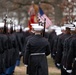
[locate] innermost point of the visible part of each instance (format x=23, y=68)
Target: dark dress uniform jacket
x=55, y=45
x=46, y=35
x=3, y=49
x=66, y=48
x=37, y=64
x=12, y=53
x=52, y=36
x=26, y=39
x=20, y=42
x=60, y=48
x=71, y=58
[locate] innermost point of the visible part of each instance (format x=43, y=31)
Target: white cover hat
x=46, y=30
x=17, y=27
x=34, y=24
x=38, y=28
x=72, y=28
x=68, y=25
x=63, y=28
x=1, y=25
x=26, y=29
x=74, y=23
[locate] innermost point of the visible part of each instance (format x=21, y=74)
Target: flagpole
x=44, y=27
x=39, y=21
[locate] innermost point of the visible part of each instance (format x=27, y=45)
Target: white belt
x=37, y=54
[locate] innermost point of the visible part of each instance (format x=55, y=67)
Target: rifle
x=44, y=27
x=5, y=22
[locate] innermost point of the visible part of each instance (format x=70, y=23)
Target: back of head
x=5, y=30
x=11, y=30
x=73, y=30
x=1, y=27
x=67, y=31
x=67, y=28
x=20, y=29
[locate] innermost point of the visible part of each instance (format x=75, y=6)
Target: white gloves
x=64, y=68
x=19, y=53
x=26, y=65
x=58, y=64
x=69, y=71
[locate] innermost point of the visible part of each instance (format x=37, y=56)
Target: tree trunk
x=58, y=11
x=19, y=18
x=58, y=14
